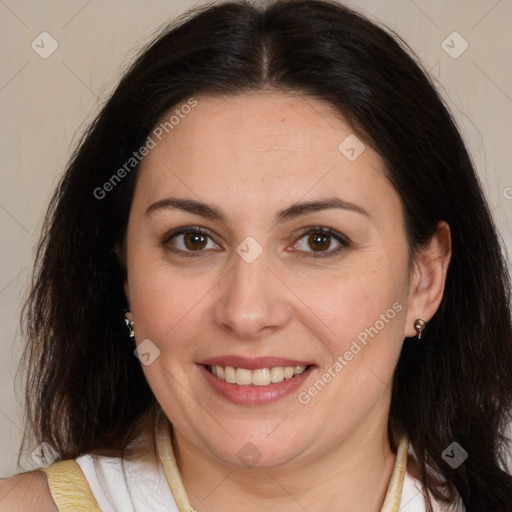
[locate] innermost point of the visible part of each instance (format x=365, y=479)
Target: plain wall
x=46, y=103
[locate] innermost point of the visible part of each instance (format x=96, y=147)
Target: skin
x=256, y=155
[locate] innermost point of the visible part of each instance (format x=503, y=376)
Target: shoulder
x=26, y=491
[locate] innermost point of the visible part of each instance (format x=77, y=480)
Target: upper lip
x=253, y=364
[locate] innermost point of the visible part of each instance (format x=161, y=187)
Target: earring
x=129, y=323
x=419, y=325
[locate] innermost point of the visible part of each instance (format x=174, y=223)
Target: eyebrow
x=209, y=211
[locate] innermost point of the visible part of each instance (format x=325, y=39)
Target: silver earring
x=419, y=325
x=128, y=320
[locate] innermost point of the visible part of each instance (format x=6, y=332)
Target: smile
x=258, y=377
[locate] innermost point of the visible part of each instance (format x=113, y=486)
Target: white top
x=119, y=485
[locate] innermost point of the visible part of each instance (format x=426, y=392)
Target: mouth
x=258, y=377
x=251, y=382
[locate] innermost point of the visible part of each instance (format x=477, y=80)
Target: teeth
x=243, y=377
x=260, y=377
x=229, y=374
x=277, y=374
x=288, y=372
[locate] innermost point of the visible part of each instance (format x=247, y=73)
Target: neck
x=352, y=476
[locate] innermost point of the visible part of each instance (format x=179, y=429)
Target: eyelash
x=344, y=243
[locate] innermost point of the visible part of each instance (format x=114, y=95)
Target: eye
x=188, y=240
x=321, y=239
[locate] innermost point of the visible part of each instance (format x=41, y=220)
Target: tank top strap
x=69, y=487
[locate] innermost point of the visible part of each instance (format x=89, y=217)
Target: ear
x=430, y=266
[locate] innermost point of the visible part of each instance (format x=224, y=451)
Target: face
x=227, y=275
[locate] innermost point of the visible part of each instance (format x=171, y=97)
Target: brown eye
x=194, y=241
x=187, y=241
x=321, y=242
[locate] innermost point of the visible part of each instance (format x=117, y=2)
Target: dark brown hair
x=86, y=391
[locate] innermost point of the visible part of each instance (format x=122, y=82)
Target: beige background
x=47, y=102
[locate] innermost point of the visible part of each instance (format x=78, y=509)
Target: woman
x=270, y=280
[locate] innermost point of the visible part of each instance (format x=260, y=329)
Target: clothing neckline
x=167, y=458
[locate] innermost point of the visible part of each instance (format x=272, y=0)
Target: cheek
x=167, y=311
x=168, y=304
x=362, y=311
x=161, y=304
x=350, y=301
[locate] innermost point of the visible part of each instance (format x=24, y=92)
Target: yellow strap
x=168, y=461
x=394, y=492
x=69, y=488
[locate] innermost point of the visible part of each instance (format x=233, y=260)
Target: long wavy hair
x=86, y=392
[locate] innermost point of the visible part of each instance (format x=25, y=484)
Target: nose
x=253, y=302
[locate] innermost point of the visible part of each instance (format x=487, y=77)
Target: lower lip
x=254, y=395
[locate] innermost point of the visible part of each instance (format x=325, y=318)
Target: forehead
x=263, y=148
x=271, y=124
